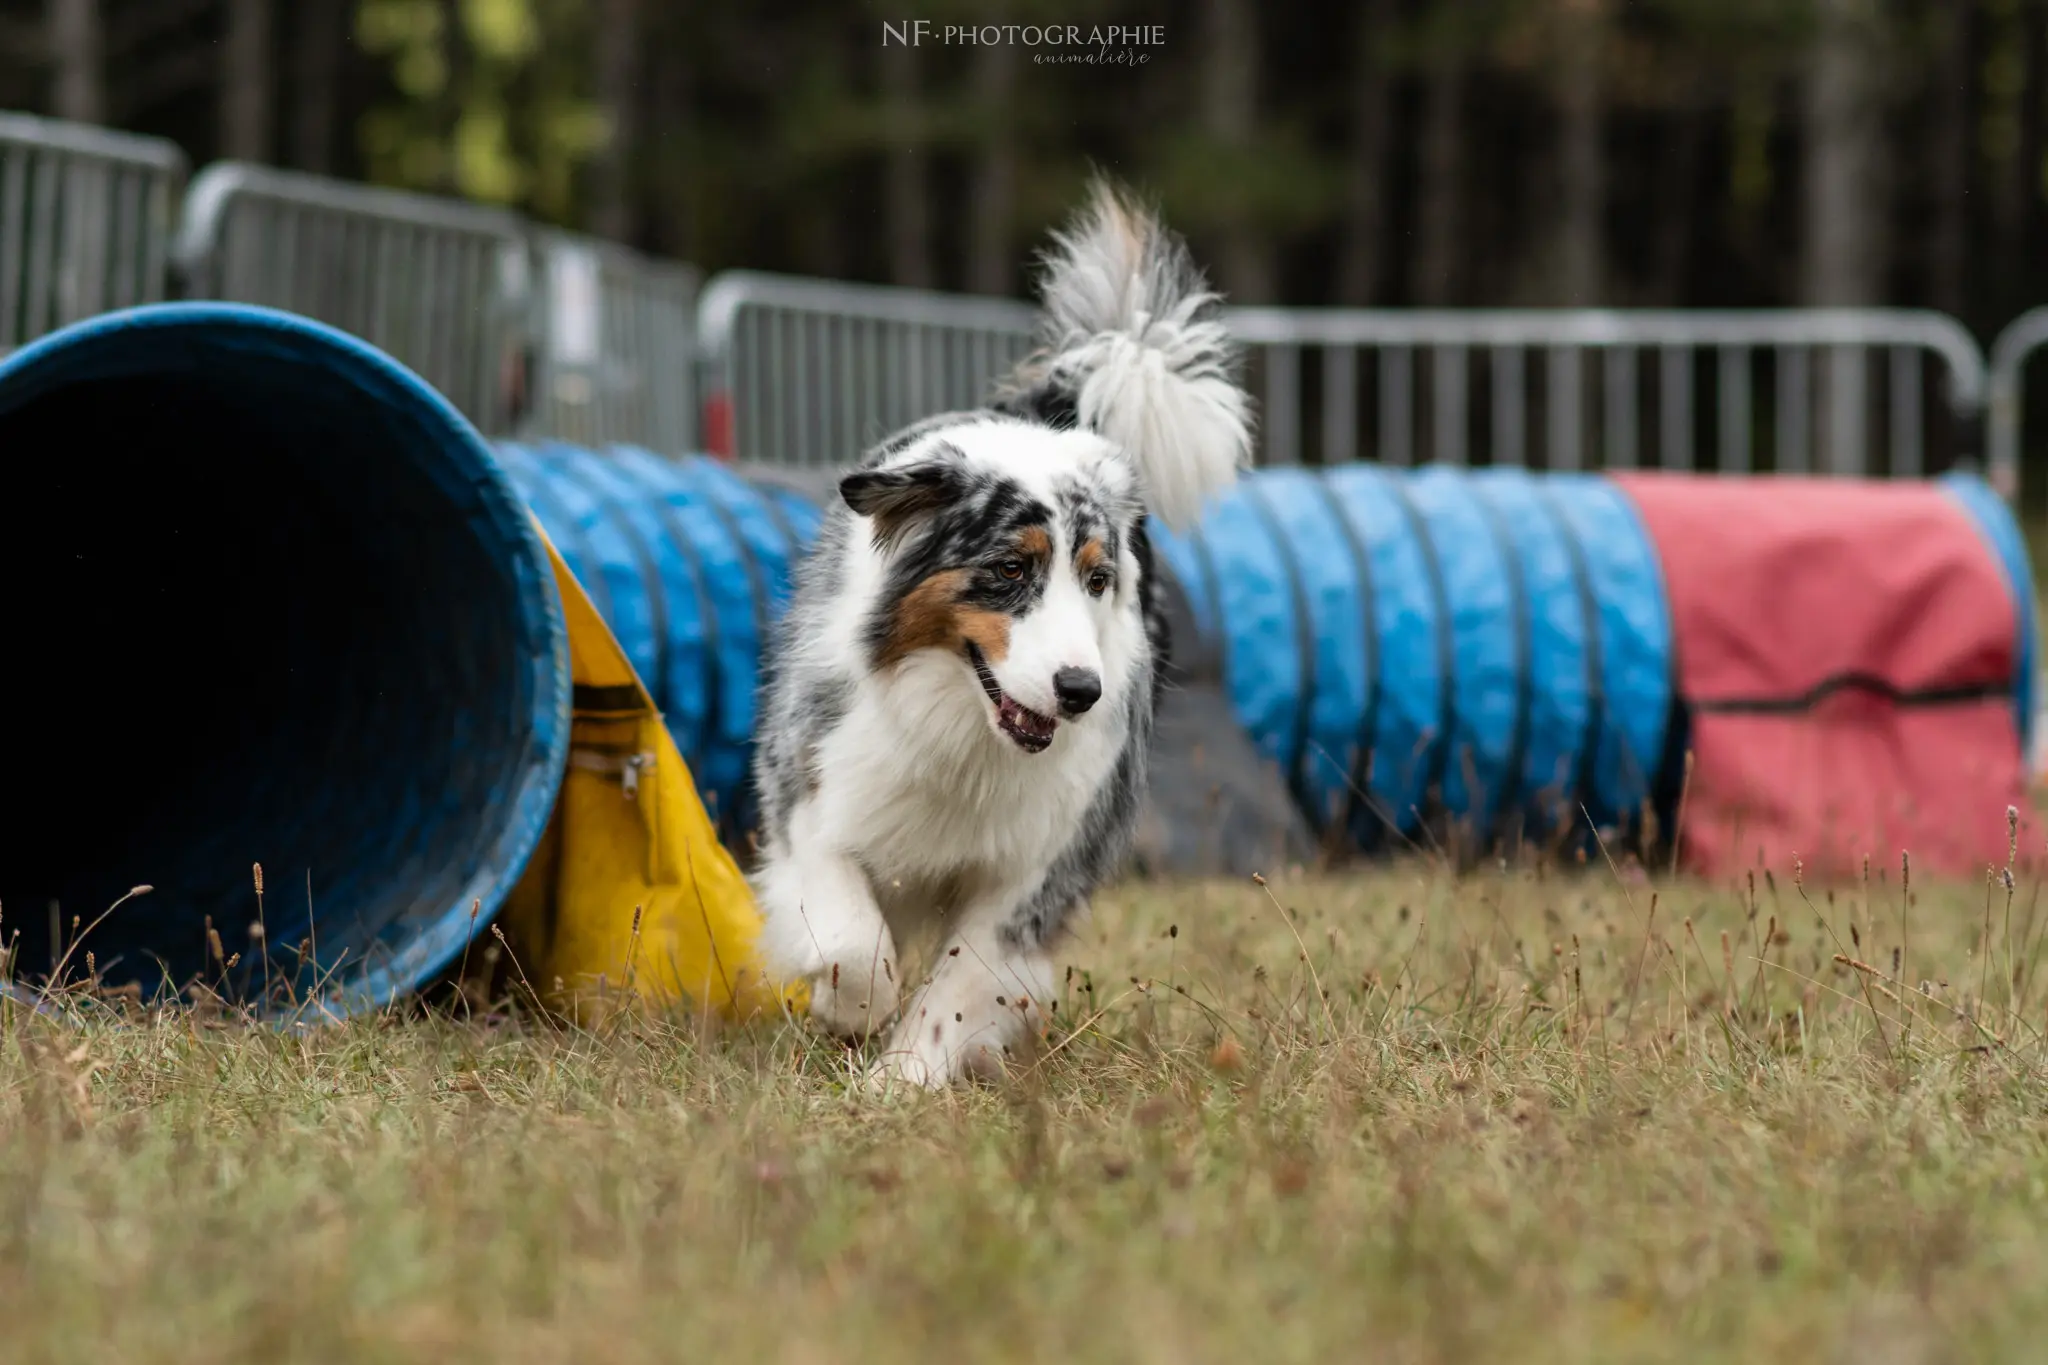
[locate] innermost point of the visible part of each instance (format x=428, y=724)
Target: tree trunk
x=908, y=181
x=1230, y=76
x=1677, y=203
x=2026, y=189
x=1951, y=146
x=319, y=36
x=992, y=205
x=1372, y=111
x=619, y=41
x=670, y=146
x=1440, y=214
x=1842, y=256
x=1582, y=162
x=76, y=50
x=245, y=82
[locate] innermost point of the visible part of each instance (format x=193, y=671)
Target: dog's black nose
x=1077, y=688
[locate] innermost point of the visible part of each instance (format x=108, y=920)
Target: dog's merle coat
x=960, y=699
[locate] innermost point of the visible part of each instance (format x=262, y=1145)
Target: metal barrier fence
x=2010, y=353
x=806, y=372
x=542, y=333
x=85, y=222
x=1790, y=390
x=617, y=357
x=442, y=285
x=810, y=372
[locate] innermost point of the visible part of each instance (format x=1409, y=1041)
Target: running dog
x=960, y=698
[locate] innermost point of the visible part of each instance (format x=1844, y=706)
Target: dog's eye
x=1098, y=582
x=1011, y=569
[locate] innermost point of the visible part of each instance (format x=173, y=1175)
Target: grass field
x=1520, y=1116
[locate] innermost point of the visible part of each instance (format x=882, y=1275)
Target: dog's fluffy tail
x=1132, y=346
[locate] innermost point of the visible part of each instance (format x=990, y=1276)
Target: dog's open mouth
x=1031, y=731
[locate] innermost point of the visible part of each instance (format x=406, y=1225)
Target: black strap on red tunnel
x=1951, y=694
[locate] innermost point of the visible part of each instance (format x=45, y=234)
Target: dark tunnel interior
x=253, y=617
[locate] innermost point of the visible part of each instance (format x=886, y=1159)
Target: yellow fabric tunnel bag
x=631, y=896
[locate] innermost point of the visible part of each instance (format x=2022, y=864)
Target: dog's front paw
x=936, y=1058
x=854, y=1001
x=914, y=1070
x=898, y=1075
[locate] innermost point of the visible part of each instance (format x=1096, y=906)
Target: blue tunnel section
x=1492, y=646
x=1995, y=522
x=691, y=565
x=270, y=600
x=1489, y=646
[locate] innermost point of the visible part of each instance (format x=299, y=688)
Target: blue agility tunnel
x=1486, y=656
x=1488, y=646
x=270, y=599
x=1497, y=642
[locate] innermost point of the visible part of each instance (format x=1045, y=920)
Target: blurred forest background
x=1484, y=152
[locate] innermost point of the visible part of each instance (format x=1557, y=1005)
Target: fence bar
x=1340, y=405
x=1618, y=388
x=1907, y=422
x=1449, y=378
x=1848, y=395
x=1674, y=408
x=1510, y=408
x=1794, y=394
x=1566, y=398
x=1737, y=454
x=1283, y=405
x=1397, y=406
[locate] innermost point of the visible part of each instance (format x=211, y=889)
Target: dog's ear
x=897, y=499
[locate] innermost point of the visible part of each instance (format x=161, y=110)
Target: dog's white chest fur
x=931, y=796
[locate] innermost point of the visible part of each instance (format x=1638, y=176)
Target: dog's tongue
x=1025, y=720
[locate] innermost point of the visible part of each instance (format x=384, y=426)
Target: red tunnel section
x=1846, y=654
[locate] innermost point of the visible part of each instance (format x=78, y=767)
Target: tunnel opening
x=270, y=603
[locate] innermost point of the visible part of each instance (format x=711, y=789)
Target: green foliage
x=762, y=134
x=493, y=106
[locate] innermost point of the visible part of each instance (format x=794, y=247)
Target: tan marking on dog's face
x=1035, y=544
x=988, y=631
x=924, y=616
x=1090, y=557
x=930, y=616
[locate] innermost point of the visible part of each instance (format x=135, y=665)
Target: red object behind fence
x=718, y=425
x=1846, y=653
